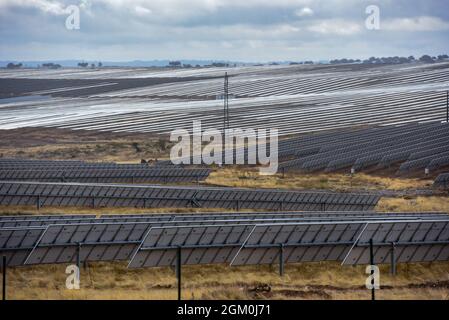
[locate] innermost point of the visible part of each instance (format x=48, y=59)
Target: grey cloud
x=220, y=29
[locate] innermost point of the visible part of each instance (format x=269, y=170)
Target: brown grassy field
x=302, y=281
x=62, y=144
x=250, y=178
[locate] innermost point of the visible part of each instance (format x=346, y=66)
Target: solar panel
x=110, y=195
x=102, y=175
x=46, y=217
x=259, y=243
x=17, y=243
x=415, y=242
x=442, y=181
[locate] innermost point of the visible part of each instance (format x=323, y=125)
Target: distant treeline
x=179, y=64
x=393, y=60
x=49, y=65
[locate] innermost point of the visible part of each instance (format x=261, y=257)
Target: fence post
x=4, y=278
x=371, y=254
x=178, y=271
x=393, y=259
x=78, y=261
x=281, y=259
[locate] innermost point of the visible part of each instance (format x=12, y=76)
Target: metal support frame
x=38, y=202
x=78, y=256
x=78, y=260
x=371, y=254
x=4, y=278
x=281, y=259
x=178, y=271
x=393, y=259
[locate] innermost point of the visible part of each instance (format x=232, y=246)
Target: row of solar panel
x=23, y=160
x=73, y=165
x=442, y=181
x=414, y=147
x=349, y=138
x=38, y=221
x=104, y=195
x=248, y=239
x=122, y=175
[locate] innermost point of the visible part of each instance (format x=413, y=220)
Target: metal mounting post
x=371, y=254
x=393, y=259
x=78, y=257
x=178, y=271
x=4, y=278
x=281, y=259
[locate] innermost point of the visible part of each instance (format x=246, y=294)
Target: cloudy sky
x=238, y=30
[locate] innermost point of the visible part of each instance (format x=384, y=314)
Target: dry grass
x=250, y=178
x=27, y=210
x=418, y=204
x=63, y=144
x=116, y=150
x=302, y=281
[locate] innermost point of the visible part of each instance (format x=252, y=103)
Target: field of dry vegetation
x=302, y=281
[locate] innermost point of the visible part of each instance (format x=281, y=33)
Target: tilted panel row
x=46, y=217
x=103, y=195
x=321, y=216
x=62, y=243
x=17, y=243
x=442, y=181
x=412, y=241
x=107, y=175
x=260, y=244
x=422, y=163
x=408, y=143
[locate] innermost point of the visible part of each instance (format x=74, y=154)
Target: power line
x=226, y=103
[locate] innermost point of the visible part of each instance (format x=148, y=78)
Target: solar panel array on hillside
x=293, y=99
x=411, y=148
